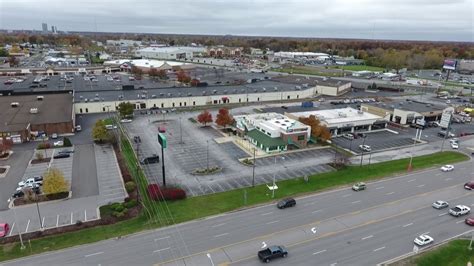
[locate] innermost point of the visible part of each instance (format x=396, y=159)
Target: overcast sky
x=447, y=20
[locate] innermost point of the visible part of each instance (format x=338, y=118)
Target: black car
x=151, y=159
x=61, y=155
x=137, y=139
x=66, y=151
x=285, y=203
x=18, y=194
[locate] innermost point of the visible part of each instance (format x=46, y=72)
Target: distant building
x=146, y=64
x=272, y=132
x=45, y=28
x=322, y=86
x=171, y=53
x=222, y=51
x=123, y=43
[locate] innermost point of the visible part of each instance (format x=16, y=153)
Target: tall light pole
x=207, y=154
x=362, y=155
x=417, y=136
x=22, y=246
x=180, y=132
x=253, y=168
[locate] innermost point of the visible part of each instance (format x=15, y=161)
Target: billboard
x=446, y=117
x=449, y=64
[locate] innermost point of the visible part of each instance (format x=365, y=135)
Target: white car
x=440, y=204
x=54, y=136
x=447, y=168
x=423, y=240
x=58, y=143
x=459, y=210
x=365, y=147
x=454, y=145
x=126, y=121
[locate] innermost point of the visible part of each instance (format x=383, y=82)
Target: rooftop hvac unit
x=33, y=110
x=15, y=104
x=40, y=98
x=341, y=114
x=360, y=112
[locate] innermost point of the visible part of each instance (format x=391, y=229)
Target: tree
x=13, y=61
x=318, y=131
x=205, y=117
x=137, y=71
x=54, y=182
x=67, y=142
x=224, y=118
x=126, y=109
x=99, y=132
x=5, y=146
x=181, y=76
x=3, y=52
x=195, y=82
x=153, y=73
x=162, y=74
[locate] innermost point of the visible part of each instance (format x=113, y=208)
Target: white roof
x=172, y=49
x=339, y=116
x=144, y=63
x=293, y=54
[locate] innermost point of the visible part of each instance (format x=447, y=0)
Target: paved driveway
x=84, y=172
x=18, y=162
x=379, y=140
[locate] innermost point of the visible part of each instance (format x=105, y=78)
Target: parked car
x=78, y=128
x=440, y=204
x=469, y=221
x=151, y=159
x=365, y=148
x=423, y=240
x=469, y=185
x=447, y=168
x=454, y=145
x=126, y=120
x=54, y=136
x=272, y=252
x=161, y=129
x=137, y=139
x=61, y=155
x=58, y=143
x=4, y=228
x=359, y=186
x=285, y=203
x=66, y=151
x=38, y=180
x=18, y=193
x=348, y=136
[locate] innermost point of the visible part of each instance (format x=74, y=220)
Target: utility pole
x=253, y=168
x=38, y=210
x=22, y=246
x=362, y=155
x=207, y=154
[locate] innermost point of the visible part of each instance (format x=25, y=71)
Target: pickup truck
x=459, y=210
x=272, y=252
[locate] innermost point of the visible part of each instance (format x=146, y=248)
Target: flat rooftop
x=414, y=106
x=54, y=108
x=311, y=81
x=342, y=115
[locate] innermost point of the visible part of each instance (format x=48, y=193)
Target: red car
x=4, y=228
x=161, y=129
x=469, y=185
x=469, y=221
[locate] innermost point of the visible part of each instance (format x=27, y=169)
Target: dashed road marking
x=443, y=214
x=224, y=234
x=347, y=195
x=379, y=187
x=272, y=222
x=94, y=254
x=354, y=202
x=319, y=252
x=159, y=250
x=316, y=211
x=217, y=225
x=406, y=225
x=367, y=237
x=161, y=238
x=411, y=180
x=420, y=186
x=447, y=179
x=377, y=249
x=267, y=213
x=390, y=193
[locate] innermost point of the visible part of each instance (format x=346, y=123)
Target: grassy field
x=307, y=71
x=360, y=68
x=455, y=253
x=159, y=214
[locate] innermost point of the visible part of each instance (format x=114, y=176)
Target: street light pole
x=253, y=168
x=180, y=131
x=362, y=155
x=207, y=154
x=38, y=210
x=22, y=246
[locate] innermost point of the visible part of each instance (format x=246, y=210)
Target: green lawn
x=307, y=71
x=360, y=68
x=159, y=214
x=455, y=253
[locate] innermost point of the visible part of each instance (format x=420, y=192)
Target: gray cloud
x=450, y=20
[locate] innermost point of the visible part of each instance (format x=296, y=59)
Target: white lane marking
x=345, y=196
x=42, y=222
x=319, y=252
x=390, y=193
x=425, y=233
x=161, y=238
x=11, y=229
x=458, y=222
x=85, y=215
x=407, y=225
x=421, y=185
x=224, y=234
x=272, y=222
x=217, y=225
x=163, y=249
x=379, y=187
x=411, y=180
x=316, y=211
x=94, y=254
x=71, y=218
x=57, y=220
x=267, y=213
x=447, y=179
x=443, y=214
x=354, y=202
x=367, y=237
x=377, y=249
x=27, y=225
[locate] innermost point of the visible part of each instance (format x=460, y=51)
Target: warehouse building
x=171, y=53
x=344, y=120
x=146, y=64
x=26, y=116
x=322, y=86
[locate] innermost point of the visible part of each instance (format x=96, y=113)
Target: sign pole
x=163, y=142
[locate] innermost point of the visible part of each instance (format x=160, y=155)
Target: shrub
x=130, y=186
x=39, y=156
x=67, y=142
x=127, y=199
x=118, y=208
x=153, y=191
x=43, y=146
x=78, y=222
x=130, y=204
x=173, y=194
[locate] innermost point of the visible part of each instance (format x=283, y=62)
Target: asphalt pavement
x=388, y=215
x=84, y=172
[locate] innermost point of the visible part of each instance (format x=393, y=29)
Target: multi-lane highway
x=335, y=227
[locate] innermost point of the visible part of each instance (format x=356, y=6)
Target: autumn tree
x=318, y=131
x=54, y=182
x=136, y=71
x=5, y=146
x=183, y=77
x=99, y=132
x=224, y=118
x=195, y=82
x=162, y=74
x=205, y=117
x=153, y=73
x=13, y=61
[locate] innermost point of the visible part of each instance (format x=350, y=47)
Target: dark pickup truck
x=272, y=252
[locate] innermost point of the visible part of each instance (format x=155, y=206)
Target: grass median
x=159, y=214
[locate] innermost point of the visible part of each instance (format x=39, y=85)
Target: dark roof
x=415, y=106
x=262, y=138
x=311, y=81
x=54, y=108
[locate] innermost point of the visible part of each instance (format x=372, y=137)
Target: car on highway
x=423, y=240
x=440, y=204
x=365, y=147
x=469, y=185
x=459, y=210
x=469, y=221
x=447, y=168
x=359, y=186
x=285, y=203
x=4, y=228
x=272, y=252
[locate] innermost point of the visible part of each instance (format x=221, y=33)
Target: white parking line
x=42, y=222
x=333, y=264
x=217, y=225
x=94, y=254
x=390, y=193
x=161, y=238
x=27, y=225
x=57, y=220
x=85, y=215
x=71, y=217
x=443, y=214
x=354, y=202
x=224, y=234
x=377, y=249
x=319, y=252
x=11, y=229
x=272, y=222
x=458, y=222
x=425, y=233
x=311, y=203
x=267, y=213
x=447, y=179
x=159, y=250
x=421, y=185
x=316, y=211
x=347, y=195
x=367, y=237
x=407, y=225
x=411, y=180
x=379, y=187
